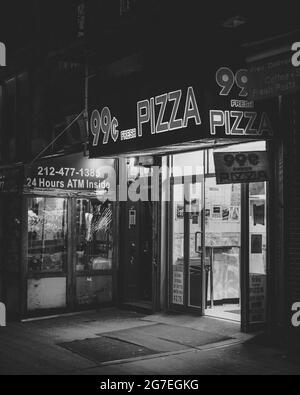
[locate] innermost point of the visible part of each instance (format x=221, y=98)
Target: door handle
x=196, y=242
x=208, y=264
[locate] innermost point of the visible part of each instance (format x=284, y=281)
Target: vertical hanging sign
x=233, y=113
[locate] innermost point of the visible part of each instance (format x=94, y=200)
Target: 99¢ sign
x=160, y=114
x=179, y=115
x=104, y=123
x=238, y=117
x=226, y=79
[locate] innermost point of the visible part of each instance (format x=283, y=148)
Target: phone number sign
x=73, y=172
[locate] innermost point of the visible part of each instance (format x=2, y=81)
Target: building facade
x=113, y=128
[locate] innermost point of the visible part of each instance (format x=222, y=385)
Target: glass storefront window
x=47, y=235
x=178, y=245
x=187, y=164
x=94, y=235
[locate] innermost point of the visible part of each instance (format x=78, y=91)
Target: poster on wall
x=179, y=211
x=234, y=213
x=257, y=298
x=225, y=214
x=216, y=212
x=256, y=244
x=177, y=287
x=231, y=213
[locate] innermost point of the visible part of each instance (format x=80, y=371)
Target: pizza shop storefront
x=196, y=214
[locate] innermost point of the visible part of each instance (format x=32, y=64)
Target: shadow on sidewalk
x=286, y=347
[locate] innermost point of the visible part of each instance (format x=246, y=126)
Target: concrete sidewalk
x=113, y=341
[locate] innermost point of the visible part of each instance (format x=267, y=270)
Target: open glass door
x=218, y=241
x=177, y=267
x=187, y=236
x=195, y=230
x=93, y=253
x=223, y=245
x=47, y=254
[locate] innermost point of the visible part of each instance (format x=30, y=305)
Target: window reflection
x=47, y=234
x=178, y=245
x=94, y=235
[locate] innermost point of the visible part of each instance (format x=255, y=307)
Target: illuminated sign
x=72, y=172
x=148, y=117
x=241, y=167
x=150, y=112
x=147, y=111
x=242, y=119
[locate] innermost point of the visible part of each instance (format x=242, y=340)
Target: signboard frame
x=158, y=112
x=242, y=167
x=73, y=173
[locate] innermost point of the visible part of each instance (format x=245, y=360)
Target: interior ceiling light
x=234, y=21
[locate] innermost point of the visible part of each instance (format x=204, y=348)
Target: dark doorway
x=137, y=232
x=136, y=254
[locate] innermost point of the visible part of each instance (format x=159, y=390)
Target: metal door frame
x=180, y=180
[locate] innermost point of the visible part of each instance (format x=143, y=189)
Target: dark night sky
x=19, y=24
